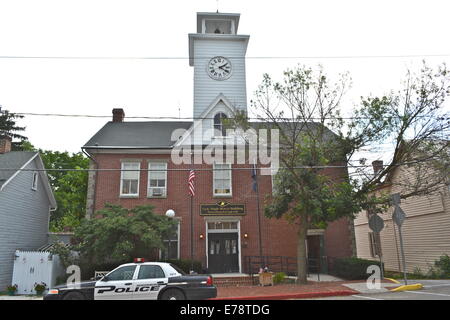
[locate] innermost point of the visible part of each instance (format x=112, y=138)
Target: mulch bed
x=281, y=289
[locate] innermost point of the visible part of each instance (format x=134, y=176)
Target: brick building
x=226, y=227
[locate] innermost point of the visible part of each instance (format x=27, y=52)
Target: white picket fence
x=32, y=267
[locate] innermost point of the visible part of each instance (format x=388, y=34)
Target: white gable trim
x=43, y=176
x=46, y=183
x=17, y=172
x=196, y=123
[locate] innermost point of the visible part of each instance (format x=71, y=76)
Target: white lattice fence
x=32, y=267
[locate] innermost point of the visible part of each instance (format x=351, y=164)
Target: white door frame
x=238, y=231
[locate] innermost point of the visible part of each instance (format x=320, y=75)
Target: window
x=34, y=182
x=157, y=179
x=171, y=241
x=124, y=273
x=150, y=272
x=222, y=179
x=219, y=225
x=129, y=182
x=375, y=244
x=219, y=128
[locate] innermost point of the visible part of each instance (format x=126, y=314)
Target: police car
x=139, y=281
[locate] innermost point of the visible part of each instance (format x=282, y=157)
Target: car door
x=116, y=285
x=150, y=280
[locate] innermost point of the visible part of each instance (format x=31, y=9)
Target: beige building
x=426, y=229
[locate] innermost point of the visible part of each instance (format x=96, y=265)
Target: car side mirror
x=104, y=279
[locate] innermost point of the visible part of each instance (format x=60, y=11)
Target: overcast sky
x=158, y=87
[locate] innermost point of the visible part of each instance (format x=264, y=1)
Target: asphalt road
x=432, y=290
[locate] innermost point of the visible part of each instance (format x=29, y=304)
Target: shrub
x=279, y=277
x=185, y=265
x=443, y=266
x=352, y=268
x=417, y=273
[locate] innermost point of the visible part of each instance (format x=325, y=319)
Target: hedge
x=352, y=268
x=185, y=265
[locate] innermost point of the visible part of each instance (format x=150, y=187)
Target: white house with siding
x=26, y=200
x=426, y=229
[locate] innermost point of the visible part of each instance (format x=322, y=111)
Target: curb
x=302, y=295
x=408, y=287
x=393, y=280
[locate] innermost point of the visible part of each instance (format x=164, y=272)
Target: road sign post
x=399, y=217
x=376, y=224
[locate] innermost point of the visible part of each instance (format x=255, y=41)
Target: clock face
x=219, y=68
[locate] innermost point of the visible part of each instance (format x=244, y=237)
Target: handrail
x=288, y=265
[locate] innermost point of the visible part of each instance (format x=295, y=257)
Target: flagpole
x=258, y=211
x=192, y=220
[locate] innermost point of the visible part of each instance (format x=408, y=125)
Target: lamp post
x=169, y=214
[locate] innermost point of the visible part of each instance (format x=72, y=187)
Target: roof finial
x=217, y=1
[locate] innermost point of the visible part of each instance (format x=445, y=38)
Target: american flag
x=191, y=183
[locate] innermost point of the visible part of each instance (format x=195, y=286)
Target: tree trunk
x=301, y=253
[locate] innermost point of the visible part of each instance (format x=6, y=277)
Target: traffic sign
x=396, y=199
x=376, y=223
x=398, y=216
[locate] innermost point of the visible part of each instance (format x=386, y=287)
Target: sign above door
x=222, y=208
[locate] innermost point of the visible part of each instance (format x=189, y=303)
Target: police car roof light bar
x=139, y=260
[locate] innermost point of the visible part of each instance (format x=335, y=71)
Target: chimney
x=118, y=115
x=5, y=144
x=377, y=166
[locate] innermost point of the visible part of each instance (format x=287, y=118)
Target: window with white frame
x=129, y=180
x=375, y=244
x=157, y=179
x=34, y=182
x=171, y=244
x=219, y=128
x=222, y=179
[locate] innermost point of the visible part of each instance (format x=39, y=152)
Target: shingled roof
x=131, y=135
x=13, y=159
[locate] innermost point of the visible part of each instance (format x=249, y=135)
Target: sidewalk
x=284, y=291
x=314, y=289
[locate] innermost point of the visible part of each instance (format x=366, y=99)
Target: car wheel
x=173, y=294
x=74, y=296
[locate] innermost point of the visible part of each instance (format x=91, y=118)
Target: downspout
x=94, y=195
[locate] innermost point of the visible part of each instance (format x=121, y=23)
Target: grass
x=412, y=276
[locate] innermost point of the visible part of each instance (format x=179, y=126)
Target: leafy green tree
x=9, y=127
x=305, y=108
x=120, y=234
x=69, y=180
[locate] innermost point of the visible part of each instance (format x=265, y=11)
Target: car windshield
x=177, y=269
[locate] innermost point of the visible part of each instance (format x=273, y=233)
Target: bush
x=443, y=266
x=352, y=268
x=185, y=265
x=279, y=277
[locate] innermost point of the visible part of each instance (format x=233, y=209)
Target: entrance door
x=223, y=253
x=314, y=244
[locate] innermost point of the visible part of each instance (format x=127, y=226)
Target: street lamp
x=169, y=214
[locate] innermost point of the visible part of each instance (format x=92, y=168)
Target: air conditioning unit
x=158, y=192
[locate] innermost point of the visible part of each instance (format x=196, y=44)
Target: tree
x=9, y=127
x=122, y=234
x=69, y=181
x=306, y=110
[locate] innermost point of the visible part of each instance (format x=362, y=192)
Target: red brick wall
x=278, y=237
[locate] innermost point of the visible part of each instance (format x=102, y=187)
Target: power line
x=230, y=57
x=221, y=169
x=195, y=118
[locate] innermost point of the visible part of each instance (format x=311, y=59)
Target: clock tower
x=217, y=54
